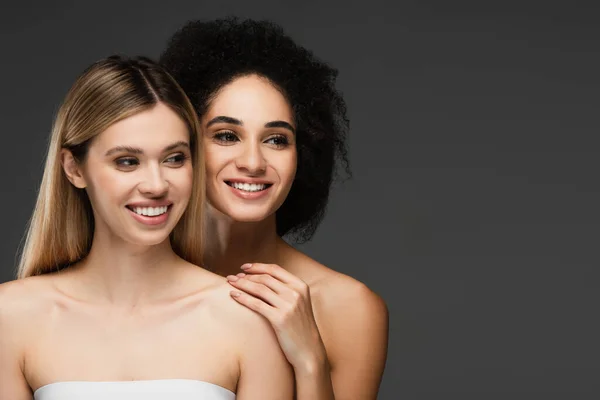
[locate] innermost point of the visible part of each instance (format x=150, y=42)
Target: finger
x=254, y=304
x=295, y=283
x=257, y=290
x=286, y=291
x=273, y=270
x=274, y=284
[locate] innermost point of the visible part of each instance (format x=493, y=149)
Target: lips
x=249, y=191
x=150, y=211
x=150, y=215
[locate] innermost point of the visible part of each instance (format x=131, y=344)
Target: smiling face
x=250, y=149
x=138, y=176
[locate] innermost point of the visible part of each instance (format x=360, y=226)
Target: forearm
x=313, y=381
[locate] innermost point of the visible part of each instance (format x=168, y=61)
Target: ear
x=72, y=169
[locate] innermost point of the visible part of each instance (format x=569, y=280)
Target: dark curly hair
x=204, y=56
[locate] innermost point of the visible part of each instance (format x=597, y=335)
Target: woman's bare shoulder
x=197, y=278
x=233, y=313
x=24, y=294
x=339, y=298
x=216, y=295
x=23, y=301
x=331, y=286
x=343, y=295
x=344, y=304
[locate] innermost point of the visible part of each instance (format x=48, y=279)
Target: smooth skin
x=132, y=309
x=332, y=329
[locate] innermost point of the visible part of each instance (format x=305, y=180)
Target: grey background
x=474, y=205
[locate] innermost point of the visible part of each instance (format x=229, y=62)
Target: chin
x=250, y=214
x=148, y=238
x=248, y=218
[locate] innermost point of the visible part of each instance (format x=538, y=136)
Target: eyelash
x=282, y=141
x=180, y=158
x=222, y=137
x=130, y=162
x=126, y=162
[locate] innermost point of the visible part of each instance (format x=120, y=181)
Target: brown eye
x=279, y=141
x=225, y=137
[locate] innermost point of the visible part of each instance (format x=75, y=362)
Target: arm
x=265, y=373
x=314, y=381
x=12, y=381
x=357, y=325
x=358, y=351
x=284, y=300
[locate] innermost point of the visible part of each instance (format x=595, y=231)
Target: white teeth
x=150, y=211
x=249, y=187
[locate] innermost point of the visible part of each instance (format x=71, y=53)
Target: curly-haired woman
x=274, y=129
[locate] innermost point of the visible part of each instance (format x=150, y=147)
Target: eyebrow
x=137, y=150
x=280, y=124
x=221, y=119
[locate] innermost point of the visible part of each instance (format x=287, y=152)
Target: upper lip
x=247, y=180
x=162, y=203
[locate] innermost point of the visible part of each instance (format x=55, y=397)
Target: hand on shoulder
x=264, y=370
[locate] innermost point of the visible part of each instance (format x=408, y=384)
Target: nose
x=251, y=159
x=154, y=184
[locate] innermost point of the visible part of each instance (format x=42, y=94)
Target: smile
x=249, y=187
x=151, y=216
x=149, y=211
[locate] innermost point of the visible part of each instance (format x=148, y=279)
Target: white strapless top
x=159, y=389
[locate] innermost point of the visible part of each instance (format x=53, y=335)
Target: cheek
x=287, y=165
x=107, y=185
x=215, y=159
x=182, y=178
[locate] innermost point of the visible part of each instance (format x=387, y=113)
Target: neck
x=128, y=275
x=231, y=244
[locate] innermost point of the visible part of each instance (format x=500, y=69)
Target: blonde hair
x=62, y=225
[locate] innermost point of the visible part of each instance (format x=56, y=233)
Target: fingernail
x=235, y=294
x=232, y=278
x=241, y=275
x=246, y=266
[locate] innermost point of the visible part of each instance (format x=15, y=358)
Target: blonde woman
x=110, y=303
